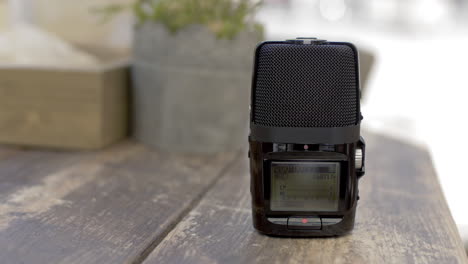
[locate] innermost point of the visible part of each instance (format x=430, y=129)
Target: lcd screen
x=305, y=186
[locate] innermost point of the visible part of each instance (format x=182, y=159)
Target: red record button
x=305, y=223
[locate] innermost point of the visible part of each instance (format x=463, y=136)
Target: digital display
x=305, y=186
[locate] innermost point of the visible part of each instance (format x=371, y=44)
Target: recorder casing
x=306, y=153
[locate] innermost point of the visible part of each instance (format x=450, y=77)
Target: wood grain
x=112, y=206
x=402, y=218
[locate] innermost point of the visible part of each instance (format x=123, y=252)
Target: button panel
x=278, y=220
x=314, y=223
x=304, y=222
x=330, y=221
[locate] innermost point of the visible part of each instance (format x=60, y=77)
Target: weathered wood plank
x=109, y=207
x=22, y=175
x=402, y=218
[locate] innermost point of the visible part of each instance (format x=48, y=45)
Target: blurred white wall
x=4, y=15
x=75, y=21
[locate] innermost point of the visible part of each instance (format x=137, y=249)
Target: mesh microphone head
x=298, y=85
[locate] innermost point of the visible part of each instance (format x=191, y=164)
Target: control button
x=326, y=147
x=304, y=223
x=278, y=221
x=306, y=41
x=358, y=160
x=331, y=221
x=311, y=40
x=279, y=147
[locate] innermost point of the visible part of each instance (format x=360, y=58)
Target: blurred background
x=414, y=61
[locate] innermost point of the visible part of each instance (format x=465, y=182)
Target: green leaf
x=226, y=18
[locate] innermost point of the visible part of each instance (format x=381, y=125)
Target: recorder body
x=306, y=153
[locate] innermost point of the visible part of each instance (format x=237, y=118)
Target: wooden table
x=131, y=204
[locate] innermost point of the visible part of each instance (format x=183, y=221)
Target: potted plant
x=192, y=73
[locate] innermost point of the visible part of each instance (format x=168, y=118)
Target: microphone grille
x=306, y=86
